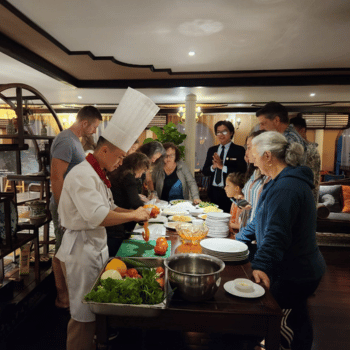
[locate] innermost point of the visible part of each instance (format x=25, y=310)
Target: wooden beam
x=22, y=54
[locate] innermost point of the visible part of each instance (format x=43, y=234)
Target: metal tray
x=141, y=310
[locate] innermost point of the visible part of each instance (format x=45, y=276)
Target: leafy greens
x=145, y=290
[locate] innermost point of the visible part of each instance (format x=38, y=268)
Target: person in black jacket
x=221, y=160
x=125, y=194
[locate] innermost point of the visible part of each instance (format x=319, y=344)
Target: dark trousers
x=218, y=196
x=296, y=327
x=114, y=244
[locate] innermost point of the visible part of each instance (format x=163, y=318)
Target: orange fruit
x=117, y=264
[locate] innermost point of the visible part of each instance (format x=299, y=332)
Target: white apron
x=84, y=254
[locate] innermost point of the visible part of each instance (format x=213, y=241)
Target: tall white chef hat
x=134, y=113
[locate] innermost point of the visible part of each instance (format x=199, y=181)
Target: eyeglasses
x=221, y=133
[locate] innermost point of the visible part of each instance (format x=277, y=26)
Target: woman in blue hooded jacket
x=287, y=260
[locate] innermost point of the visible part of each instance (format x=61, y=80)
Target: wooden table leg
x=272, y=340
x=101, y=332
x=2, y=273
x=46, y=226
x=36, y=255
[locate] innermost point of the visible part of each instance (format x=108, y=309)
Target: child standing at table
x=234, y=185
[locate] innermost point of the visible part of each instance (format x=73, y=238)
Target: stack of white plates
x=225, y=249
x=218, y=224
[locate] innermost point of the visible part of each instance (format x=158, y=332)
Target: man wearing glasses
x=221, y=160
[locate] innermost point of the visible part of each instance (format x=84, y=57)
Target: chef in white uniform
x=86, y=207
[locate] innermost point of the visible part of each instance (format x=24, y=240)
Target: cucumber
x=141, y=269
x=133, y=263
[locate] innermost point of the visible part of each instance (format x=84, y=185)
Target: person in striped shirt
x=254, y=186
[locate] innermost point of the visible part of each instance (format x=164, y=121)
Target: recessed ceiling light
x=191, y=53
x=312, y=94
x=79, y=97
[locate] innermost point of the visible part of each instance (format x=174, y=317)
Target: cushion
x=322, y=211
x=336, y=192
x=327, y=200
x=340, y=216
x=346, y=199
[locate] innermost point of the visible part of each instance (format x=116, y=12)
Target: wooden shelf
x=21, y=199
x=27, y=137
x=13, y=147
x=31, y=177
x=17, y=242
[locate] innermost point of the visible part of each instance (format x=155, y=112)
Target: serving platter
x=181, y=218
x=171, y=211
x=177, y=201
x=206, y=204
x=142, y=310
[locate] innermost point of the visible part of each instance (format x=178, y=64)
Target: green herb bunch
x=145, y=290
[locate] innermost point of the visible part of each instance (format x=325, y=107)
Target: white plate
x=196, y=212
x=171, y=225
x=227, y=257
x=155, y=231
x=217, y=235
x=172, y=218
x=176, y=201
x=258, y=290
x=170, y=211
x=217, y=211
x=203, y=216
x=224, y=245
x=164, y=205
x=159, y=219
x=217, y=225
x=218, y=216
x=212, y=205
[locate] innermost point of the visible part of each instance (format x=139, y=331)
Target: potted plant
x=169, y=133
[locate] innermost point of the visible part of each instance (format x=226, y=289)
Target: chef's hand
x=143, y=198
x=196, y=201
x=141, y=214
x=261, y=276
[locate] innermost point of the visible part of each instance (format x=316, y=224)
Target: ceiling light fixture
x=191, y=53
x=79, y=97
x=182, y=113
x=312, y=94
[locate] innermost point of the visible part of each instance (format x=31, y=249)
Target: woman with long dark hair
x=125, y=194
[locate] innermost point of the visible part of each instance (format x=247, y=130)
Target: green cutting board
x=134, y=247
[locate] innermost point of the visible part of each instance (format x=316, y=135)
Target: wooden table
x=225, y=313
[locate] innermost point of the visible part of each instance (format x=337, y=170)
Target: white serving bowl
x=196, y=212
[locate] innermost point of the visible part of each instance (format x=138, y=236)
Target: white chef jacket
x=84, y=203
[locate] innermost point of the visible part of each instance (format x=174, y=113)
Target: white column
x=190, y=129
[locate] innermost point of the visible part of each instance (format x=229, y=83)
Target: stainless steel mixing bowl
x=196, y=277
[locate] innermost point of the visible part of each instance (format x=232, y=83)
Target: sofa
x=330, y=214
